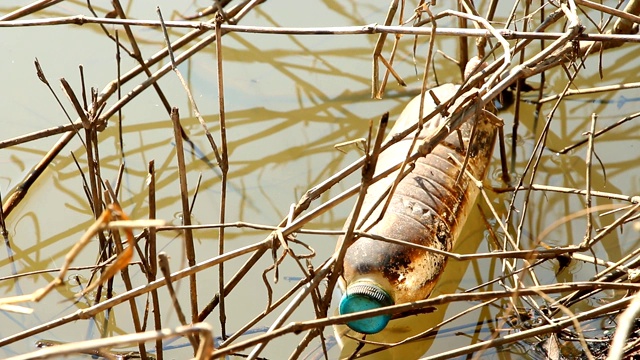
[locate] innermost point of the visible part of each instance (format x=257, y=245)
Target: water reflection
x=289, y=100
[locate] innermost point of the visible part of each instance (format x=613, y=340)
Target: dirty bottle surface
x=428, y=208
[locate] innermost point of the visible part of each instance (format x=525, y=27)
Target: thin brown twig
x=593, y=90
x=540, y=187
x=119, y=94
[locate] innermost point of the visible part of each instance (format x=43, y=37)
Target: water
x=288, y=100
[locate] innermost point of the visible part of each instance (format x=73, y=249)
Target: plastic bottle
x=427, y=208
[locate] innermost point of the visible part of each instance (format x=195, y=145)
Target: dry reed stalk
x=29, y=9
x=91, y=311
x=601, y=132
x=287, y=227
x=21, y=190
x=375, y=91
x=414, y=308
x=369, y=29
x=94, y=177
x=223, y=162
x=40, y=134
x=186, y=214
x=151, y=256
x=166, y=272
x=126, y=279
x=431, y=332
x=202, y=329
x=111, y=88
x=137, y=55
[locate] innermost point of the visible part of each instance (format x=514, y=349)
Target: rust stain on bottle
x=428, y=207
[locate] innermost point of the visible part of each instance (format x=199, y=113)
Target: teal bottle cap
x=361, y=297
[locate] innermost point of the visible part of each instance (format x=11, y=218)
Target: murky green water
x=288, y=100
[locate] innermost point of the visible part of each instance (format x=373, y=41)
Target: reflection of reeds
x=523, y=239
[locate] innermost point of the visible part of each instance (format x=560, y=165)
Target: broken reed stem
x=221, y=160
x=151, y=256
x=163, y=261
x=174, y=67
x=94, y=179
x=587, y=195
x=224, y=168
x=41, y=134
x=463, y=46
x=594, y=90
x=186, y=215
x=119, y=95
x=42, y=77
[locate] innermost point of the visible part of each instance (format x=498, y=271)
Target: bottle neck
x=362, y=295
